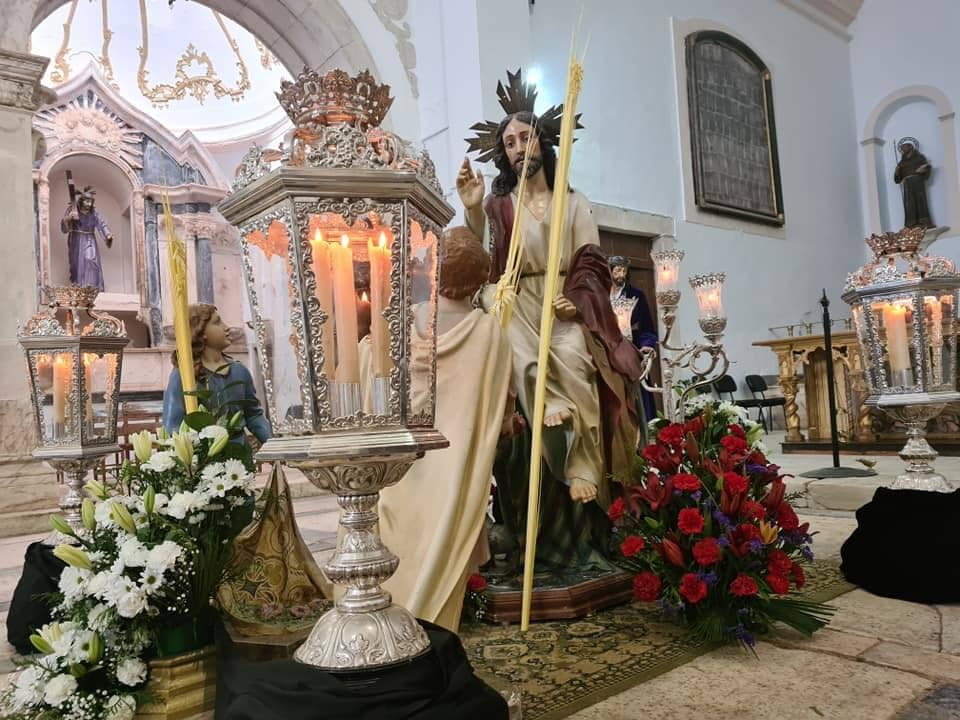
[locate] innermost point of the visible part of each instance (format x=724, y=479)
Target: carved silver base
x=917, y=453
x=75, y=470
x=365, y=629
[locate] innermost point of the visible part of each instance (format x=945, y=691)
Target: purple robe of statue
x=85, y=268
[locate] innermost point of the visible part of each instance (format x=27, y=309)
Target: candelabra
x=707, y=361
x=904, y=309
x=74, y=371
x=351, y=213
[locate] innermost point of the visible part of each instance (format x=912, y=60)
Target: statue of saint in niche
x=911, y=175
x=81, y=222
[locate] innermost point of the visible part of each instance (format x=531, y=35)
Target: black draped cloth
x=906, y=546
x=29, y=609
x=438, y=686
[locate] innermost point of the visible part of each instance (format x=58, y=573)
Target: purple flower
x=723, y=541
x=754, y=469
x=741, y=634
x=696, y=495
x=807, y=552
x=755, y=545
x=709, y=578
x=721, y=518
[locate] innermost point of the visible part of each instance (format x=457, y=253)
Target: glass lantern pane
x=55, y=369
x=422, y=279
x=276, y=313
x=352, y=268
x=863, y=339
x=939, y=356
x=894, y=320
x=100, y=381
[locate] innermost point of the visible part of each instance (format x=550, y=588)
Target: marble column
x=152, y=255
x=27, y=490
x=204, y=271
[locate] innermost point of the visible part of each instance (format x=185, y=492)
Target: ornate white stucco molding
x=392, y=14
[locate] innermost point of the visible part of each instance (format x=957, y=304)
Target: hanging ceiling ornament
x=517, y=96
x=197, y=86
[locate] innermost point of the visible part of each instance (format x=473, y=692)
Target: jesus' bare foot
x=556, y=419
x=582, y=491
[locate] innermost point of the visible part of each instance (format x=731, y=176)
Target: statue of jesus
x=590, y=430
x=81, y=223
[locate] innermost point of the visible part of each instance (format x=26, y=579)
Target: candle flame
x=345, y=240
x=61, y=360
x=89, y=359
x=383, y=239
x=364, y=296
x=317, y=236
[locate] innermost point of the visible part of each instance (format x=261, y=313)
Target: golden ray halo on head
x=516, y=96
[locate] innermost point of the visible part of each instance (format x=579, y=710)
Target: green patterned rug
x=562, y=667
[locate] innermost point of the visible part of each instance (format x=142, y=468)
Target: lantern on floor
x=340, y=247
x=74, y=357
x=904, y=311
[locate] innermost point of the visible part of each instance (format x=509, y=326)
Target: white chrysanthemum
x=133, y=553
x=160, y=462
x=74, y=582
x=132, y=671
x=732, y=412
x=163, y=556
x=28, y=686
x=132, y=603
x=120, y=707
x=213, y=432
x=58, y=689
x=179, y=505
x=211, y=472
x=101, y=584
x=79, y=647
x=235, y=472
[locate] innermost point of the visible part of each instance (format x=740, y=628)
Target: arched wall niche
x=929, y=110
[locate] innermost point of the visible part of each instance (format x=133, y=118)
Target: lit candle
x=345, y=302
x=898, y=348
x=324, y=292
x=712, y=304
x=667, y=278
x=61, y=378
x=379, y=297
x=88, y=360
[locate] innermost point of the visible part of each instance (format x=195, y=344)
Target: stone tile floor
x=880, y=659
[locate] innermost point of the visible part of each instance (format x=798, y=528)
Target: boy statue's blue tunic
x=241, y=388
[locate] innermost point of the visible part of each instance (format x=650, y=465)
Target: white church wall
x=892, y=52
x=630, y=156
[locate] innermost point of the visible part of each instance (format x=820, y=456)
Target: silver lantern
x=74, y=358
x=904, y=311
x=340, y=245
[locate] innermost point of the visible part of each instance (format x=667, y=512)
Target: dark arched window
x=733, y=137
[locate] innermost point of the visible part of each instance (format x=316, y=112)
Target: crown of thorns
x=516, y=96
x=912, y=141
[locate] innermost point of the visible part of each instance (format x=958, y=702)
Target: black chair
x=758, y=385
x=727, y=385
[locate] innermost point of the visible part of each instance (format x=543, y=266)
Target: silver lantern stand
x=344, y=185
x=73, y=354
x=904, y=306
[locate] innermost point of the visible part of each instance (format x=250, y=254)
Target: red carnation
x=632, y=545
x=686, y=481
x=706, y=552
x=671, y=435
x=476, y=583
x=737, y=430
x=753, y=510
x=672, y=552
x=617, y=508
x=744, y=586
x=787, y=519
x=799, y=579
x=778, y=583
x=734, y=445
x=693, y=588
x=779, y=563
x=646, y=587
x=690, y=521
x=734, y=483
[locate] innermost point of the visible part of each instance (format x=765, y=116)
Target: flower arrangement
x=708, y=531
x=140, y=574
x=475, y=600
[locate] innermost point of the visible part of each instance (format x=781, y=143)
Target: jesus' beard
x=534, y=164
